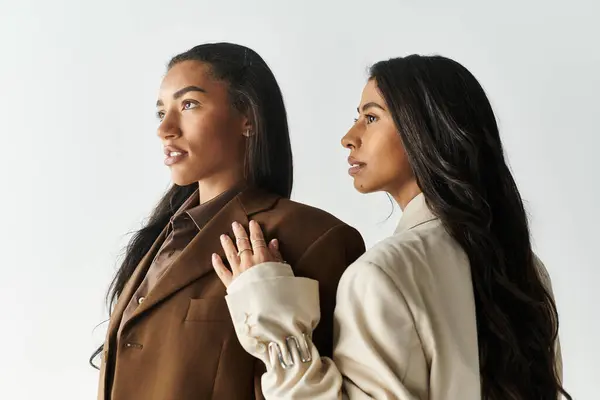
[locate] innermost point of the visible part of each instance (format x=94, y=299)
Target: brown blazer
x=180, y=344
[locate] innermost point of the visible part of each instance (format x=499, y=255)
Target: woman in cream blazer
x=454, y=305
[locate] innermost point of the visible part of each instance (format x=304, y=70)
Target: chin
x=363, y=187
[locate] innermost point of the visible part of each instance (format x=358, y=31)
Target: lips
x=174, y=155
x=355, y=166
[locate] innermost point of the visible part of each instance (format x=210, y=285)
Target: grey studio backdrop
x=82, y=166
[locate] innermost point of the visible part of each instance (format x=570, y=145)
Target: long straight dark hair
x=452, y=141
x=254, y=91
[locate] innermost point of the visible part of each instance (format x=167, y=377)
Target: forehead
x=371, y=93
x=189, y=73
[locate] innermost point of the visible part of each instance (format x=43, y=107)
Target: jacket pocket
x=207, y=309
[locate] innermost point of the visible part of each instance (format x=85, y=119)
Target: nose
x=168, y=128
x=351, y=139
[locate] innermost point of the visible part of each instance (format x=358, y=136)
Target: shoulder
x=312, y=221
x=362, y=274
x=398, y=256
x=305, y=233
x=296, y=211
x=414, y=246
x=426, y=252
x=282, y=213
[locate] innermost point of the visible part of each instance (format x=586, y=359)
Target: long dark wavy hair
x=254, y=91
x=452, y=141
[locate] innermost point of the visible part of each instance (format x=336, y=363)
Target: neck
x=404, y=195
x=210, y=188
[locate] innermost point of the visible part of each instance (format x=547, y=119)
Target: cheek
x=209, y=135
x=388, y=147
x=389, y=162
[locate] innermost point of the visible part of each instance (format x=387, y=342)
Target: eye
x=370, y=119
x=189, y=104
x=160, y=115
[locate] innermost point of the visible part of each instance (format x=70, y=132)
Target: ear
x=247, y=128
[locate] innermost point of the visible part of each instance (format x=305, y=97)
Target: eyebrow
x=370, y=105
x=181, y=92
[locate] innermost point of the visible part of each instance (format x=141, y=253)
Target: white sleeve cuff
x=267, y=311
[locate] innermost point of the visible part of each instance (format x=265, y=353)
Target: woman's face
x=203, y=135
x=377, y=157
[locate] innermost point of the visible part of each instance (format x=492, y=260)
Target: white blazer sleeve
x=274, y=315
x=375, y=335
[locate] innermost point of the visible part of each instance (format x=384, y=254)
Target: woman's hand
x=248, y=252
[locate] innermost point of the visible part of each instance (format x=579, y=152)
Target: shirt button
x=141, y=300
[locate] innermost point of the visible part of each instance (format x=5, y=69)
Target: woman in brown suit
x=223, y=126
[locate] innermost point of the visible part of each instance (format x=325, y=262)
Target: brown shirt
x=184, y=225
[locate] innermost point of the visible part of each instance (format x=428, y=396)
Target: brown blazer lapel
x=195, y=260
x=122, y=301
x=132, y=285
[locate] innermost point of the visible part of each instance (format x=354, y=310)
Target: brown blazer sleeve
x=325, y=261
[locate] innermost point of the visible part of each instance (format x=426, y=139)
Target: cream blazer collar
x=415, y=213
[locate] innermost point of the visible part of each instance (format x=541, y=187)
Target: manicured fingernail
x=215, y=257
x=276, y=243
x=223, y=237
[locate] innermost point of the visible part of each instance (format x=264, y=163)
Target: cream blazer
x=404, y=321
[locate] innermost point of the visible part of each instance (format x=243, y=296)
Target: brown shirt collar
x=200, y=214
